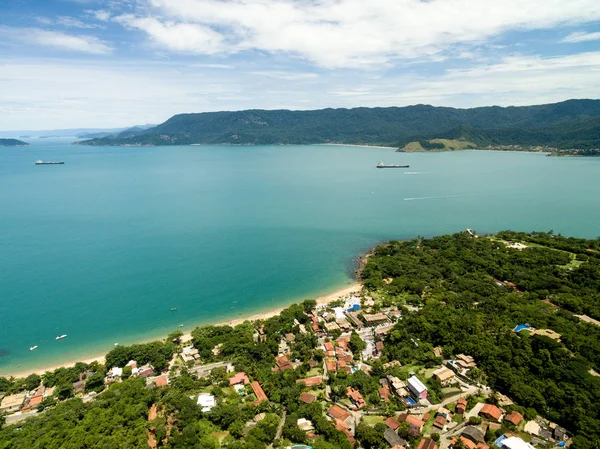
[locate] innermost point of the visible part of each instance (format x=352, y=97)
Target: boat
x=33, y=348
x=60, y=337
x=40, y=162
x=382, y=165
x=173, y=309
x=181, y=325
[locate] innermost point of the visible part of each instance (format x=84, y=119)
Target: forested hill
x=12, y=143
x=569, y=124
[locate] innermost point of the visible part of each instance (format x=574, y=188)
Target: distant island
x=12, y=143
x=569, y=127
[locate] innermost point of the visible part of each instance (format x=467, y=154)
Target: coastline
x=322, y=299
x=354, y=145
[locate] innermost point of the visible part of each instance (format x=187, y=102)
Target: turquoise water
x=102, y=247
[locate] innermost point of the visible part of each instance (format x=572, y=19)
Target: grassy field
x=449, y=145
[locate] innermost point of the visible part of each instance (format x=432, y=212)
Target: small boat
x=116, y=344
x=173, y=309
x=181, y=325
x=382, y=165
x=40, y=162
x=33, y=348
x=60, y=337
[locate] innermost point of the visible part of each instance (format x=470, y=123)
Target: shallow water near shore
x=102, y=248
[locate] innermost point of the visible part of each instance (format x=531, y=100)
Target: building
x=239, y=378
x=307, y=398
x=356, y=397
x=291, y=338
x=417, y=388
x=392, y=423
x=516, y=443
x=373, y=319
x=473, y=434
x=336, y=412
x=332, y=326
x=282, y=363
x=343, y=427
x=532, y=428
x=305, y=425
x=353, y=318
x=440, y=422
x=384, y=394
x=490, y=411
x=427, y=444
x=514, y=418
x=468, y=444
x=465, y=362
x=461, y=406
x=12, y=403
x=258, y=392
x=415, y=423
x=444, y=376
x=393, y=438
x=332, y=366
x=162, y=381
x=79, y=387
x=206, y=401
x=397, y=386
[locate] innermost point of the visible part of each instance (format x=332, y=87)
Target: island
x=457, y=341
x=12, y=143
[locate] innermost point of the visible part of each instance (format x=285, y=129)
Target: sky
x=116, y=63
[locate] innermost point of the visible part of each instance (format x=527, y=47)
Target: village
x=424, y=407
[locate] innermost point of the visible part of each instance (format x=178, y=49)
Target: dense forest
x=474, y=291
x=570, y=124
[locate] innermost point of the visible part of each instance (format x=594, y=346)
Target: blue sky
x=112, y=63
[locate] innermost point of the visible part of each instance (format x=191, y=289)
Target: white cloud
x=65, y=21
x=182, y=37
x=289, y=76
x=55, y=39
x=581, y=37
x=346, y=33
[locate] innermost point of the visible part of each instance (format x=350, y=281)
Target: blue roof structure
x=499, y=441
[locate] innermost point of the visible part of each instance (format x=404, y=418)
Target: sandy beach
x=354, y=287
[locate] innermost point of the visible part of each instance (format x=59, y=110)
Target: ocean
x=102, y=248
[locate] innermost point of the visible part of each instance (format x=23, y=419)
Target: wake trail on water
x=435, y=197
x=415, y=172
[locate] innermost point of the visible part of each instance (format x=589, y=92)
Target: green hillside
x=573, y=123
x=12, y=143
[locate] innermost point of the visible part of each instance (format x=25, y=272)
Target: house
x=440, y=422
x=336, y=412
x=189, y=354
x=307, y=398
x=305, y=425
x=560, y=433
x=35, y=400
x=258, y=392
x=468, y=444
x=438, y=351
x=344, y=324
x=239, y=378
x=206, y=401
x=311, y=381
x=393, y=438
x=332, y=326
x=162, y=381
x=444, y=376
x=516, y=443
x=343, y=343
x=373, y=319
x=282, y=363
x=290, y=338
x=397, y=386
x=328, y=346
x=417, y=388
x=353, y=318
x=392, y=423
x=461, y=406
x=146, y=371
x=415, y=423
x=79, y=387
x=514, y=418
x=379, y=347
x=332, y=366
x=356, y=397
x=490, y=411
x=465, y=362
x=343, y=427
x=473, y=433
x=427, y=444
x=12, y=403
x=384, y=394
x=115, y=372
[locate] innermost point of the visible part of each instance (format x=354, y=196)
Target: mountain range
x=568, y=124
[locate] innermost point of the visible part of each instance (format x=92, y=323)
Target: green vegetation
x=570, y=124
x=12, y=143
x=439, y=145
x=157, y=354
x=469, y=309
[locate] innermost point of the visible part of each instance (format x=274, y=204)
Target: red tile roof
x=161, y=381
x=307, y=398
x=461, y=405
x=491, y=412
x=356, y=397
x=35, y=400
x=283, y=363
x=328, y=346
x=258, y=391
x=239, y=378
x=412, y=420
x=384, y=394
x=331, y=366
x=342, y=427
x=336, y=412
x=392, y=423
x=440, y=422
x=427, y=444
x=514, y=417
x=311, y=381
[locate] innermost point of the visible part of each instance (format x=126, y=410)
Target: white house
x=417, y=388
x=516, y=443
x=206, y=401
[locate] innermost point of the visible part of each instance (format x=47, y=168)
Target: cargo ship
x=38, y=162
x=382, y=165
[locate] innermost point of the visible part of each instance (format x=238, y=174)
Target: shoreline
x=353, y=145
x=322, y=299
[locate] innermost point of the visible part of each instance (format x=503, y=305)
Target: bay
x=102, y=248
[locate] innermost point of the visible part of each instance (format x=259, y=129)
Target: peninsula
x=454, y=341
x=570, y=127
x=12, y=143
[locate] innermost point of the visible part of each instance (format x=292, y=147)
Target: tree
x=356, y=344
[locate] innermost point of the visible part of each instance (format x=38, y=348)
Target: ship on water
x=382, y=165
x=40, y=162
